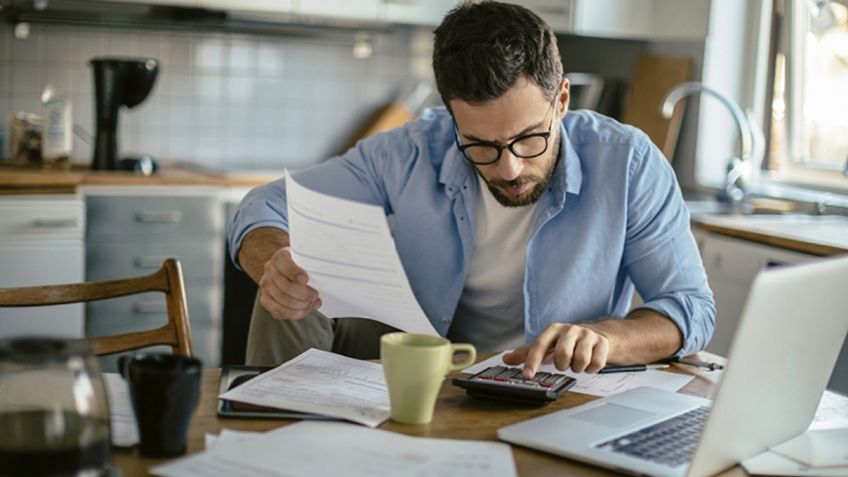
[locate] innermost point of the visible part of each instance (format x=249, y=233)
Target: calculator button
x=505, y=374
x=490, y=373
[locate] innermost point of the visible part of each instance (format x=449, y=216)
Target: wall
x=223, y=100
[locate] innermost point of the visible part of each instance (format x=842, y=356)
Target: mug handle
x=470, y=357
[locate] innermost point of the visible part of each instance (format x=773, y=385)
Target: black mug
x=164, y=389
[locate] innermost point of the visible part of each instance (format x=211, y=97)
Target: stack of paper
x=603, y=384
x=319, y=382
x=335, y=448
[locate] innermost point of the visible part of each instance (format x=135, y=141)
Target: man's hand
x=285, y=293
x=577, y=346
x=644, y=336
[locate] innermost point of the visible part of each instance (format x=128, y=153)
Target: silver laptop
x=784, y=350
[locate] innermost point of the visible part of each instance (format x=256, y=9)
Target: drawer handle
x=56, y=223
x=159, y=217
x=150, y=261
x=149, y=307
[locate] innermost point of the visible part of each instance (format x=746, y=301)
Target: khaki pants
x=271, y=342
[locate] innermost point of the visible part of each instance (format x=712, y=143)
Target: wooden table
x=457, y=416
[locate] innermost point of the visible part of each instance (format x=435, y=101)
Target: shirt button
x=445, y=321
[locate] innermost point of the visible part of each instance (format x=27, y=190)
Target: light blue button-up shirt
x=612, y=220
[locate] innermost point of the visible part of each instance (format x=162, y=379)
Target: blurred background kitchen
x=246, y=88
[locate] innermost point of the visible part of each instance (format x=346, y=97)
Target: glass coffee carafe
x=54, y=416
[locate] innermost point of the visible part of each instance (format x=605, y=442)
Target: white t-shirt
x=490, y=314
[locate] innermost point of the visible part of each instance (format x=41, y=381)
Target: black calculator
x=504, y=382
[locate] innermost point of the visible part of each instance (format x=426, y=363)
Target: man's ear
x=564, y=96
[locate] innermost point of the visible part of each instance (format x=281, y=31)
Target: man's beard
x=529, y=197
x=522, y=200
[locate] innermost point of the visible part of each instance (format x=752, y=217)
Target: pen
x=699, y=364
x=630, y=369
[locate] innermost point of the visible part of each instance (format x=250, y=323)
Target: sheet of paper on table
x=348, y=251
x=335, y=448
x=124, y=427
x=321, y=382
x=602, y=384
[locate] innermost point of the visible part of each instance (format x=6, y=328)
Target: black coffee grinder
x=119, y=82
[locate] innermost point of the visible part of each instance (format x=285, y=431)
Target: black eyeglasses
x=527, y=146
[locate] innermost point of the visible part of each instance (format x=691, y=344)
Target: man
x=518, y=223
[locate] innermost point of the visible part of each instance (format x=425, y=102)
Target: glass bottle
x=54, y=414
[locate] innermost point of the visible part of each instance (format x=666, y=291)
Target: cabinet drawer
x=114, y=218
x=201, y=263
x=147, y=310
x=37, y=218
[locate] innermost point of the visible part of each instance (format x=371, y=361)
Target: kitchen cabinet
x=731, y=265
x=559, y=14
x=275, y=6
x=415, y=12
x=343, y=9
x=41, y=243
x=642, y=19
x=130, y=232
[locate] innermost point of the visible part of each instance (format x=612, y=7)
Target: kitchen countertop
x=813, y=234
x=52, y=180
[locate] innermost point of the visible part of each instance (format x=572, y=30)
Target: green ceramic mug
x=415, y=366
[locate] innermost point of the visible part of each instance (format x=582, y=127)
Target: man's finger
x=295, y=290
x=599, y=356
x=516, y=356
x=538, y=350
x=583, y=352
x=563, y=352
x=279, y=311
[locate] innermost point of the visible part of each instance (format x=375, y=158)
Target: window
x=808, y=134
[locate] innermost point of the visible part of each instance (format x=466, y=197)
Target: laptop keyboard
x=670, y=442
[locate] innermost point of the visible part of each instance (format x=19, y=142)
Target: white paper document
x=832, y=411
x=324, y=383
x=334, y=448
x=348, y=251
x=602, y=384
x=124, y=427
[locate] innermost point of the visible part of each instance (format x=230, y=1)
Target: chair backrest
x=168, y=279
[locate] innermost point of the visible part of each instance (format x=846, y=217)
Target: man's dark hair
x=482, y=48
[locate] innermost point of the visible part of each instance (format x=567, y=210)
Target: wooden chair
x=168, y=279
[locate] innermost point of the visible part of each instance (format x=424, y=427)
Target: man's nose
x=509, y=166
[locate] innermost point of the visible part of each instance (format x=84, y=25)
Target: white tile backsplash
x=6, y=38
x=61, y=48
x=222, y=100
x=90, y=44
x=28, y=49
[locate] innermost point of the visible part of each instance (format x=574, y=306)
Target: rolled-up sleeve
x=661, y=256
x=264, y=206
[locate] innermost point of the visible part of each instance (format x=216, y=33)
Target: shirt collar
x=567, y=177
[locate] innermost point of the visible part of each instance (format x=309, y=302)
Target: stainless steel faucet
x=739, y=169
